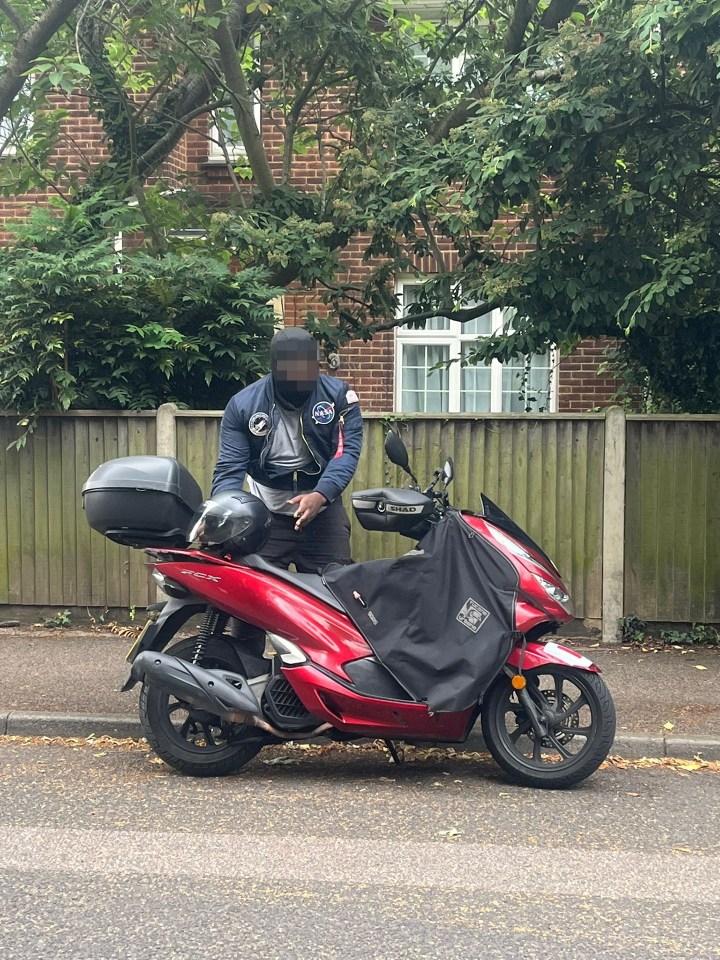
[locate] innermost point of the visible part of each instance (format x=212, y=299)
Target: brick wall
x=580, y=387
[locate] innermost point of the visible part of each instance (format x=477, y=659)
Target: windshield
x=493, y=514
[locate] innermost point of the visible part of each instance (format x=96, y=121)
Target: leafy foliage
x=84, y=326
x=636, y=632
x=63, y=618
x=580, y=135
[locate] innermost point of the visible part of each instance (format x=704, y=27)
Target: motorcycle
x=412, y=649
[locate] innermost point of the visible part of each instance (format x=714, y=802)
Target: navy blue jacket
x=331, y=425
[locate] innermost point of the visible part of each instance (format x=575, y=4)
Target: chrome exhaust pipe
x=256, y=721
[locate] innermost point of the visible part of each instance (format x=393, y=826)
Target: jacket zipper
x=266, y=448
x=310, y=451
x=341, y=437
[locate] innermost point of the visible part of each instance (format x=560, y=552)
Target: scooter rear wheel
x=190, y=740
x=581, y=726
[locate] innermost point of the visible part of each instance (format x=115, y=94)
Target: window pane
x=227, y=124
x=475, y=382
x=480, y=326
x=527, y=391
x=409, y=295
x=424, y=390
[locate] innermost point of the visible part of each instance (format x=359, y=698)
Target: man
x=297, y=435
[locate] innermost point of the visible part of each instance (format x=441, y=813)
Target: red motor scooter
x=413, y=649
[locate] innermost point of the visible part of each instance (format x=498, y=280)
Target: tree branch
x=30, y=44
x=521, y=17
x=466, y=18
x=12, y=16
x=457, y=116
x=432, y=241
x=557, y=11
x=242, y=101
x=461, y=316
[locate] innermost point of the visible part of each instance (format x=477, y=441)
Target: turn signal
x=518, y=682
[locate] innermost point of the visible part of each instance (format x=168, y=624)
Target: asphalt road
x=339, y=854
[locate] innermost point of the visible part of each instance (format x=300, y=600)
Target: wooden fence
x=626, y=507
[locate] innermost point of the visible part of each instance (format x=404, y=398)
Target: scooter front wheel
x=190, y=740
x=579, y=719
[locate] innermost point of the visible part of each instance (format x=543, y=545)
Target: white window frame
x=216, y=154
x=7, y=147
x=454, y=338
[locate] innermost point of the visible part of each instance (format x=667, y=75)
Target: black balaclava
x=294, y=366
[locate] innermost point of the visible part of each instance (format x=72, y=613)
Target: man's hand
x=309, y=506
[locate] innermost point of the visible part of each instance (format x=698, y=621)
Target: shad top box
x=142, y=501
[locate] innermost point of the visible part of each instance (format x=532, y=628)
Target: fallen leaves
x=76, y=743
x=676, y=764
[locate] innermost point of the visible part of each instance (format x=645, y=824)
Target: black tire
x=580, y=733
x=190, y=740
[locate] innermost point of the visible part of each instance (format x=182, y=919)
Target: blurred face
x=296, y=369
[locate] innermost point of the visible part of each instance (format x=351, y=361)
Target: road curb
x=71, y=725
x=635, y=746
x=630, y=746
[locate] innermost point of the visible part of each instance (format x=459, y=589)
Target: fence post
x=165, y=433
x=613, y=542
x=165, y=446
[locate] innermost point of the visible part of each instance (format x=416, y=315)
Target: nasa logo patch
x=323, y=412
x=259, y=424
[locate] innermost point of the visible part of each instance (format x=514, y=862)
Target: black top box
x=142, y=501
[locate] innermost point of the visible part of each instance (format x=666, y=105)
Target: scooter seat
x=308, y=582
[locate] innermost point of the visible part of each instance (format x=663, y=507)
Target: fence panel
x=672, y=519
x=197, y=437
x=546, y=472
x=49, y=556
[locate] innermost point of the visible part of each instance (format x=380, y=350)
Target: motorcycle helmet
x=234, y=521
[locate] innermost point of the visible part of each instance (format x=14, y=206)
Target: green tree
x=593, y=150
x=580, y=133
x=84, y=326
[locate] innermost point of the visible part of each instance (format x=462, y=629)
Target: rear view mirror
x=448, y=471
x=396, y=450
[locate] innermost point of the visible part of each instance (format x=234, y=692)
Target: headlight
x=552, y=590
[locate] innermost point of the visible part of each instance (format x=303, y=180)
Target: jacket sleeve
x=234, y=455
x=341, y=468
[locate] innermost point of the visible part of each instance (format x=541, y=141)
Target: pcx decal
x=259, y=424
x=201, y=576
x=323, y=412
x=472, y=615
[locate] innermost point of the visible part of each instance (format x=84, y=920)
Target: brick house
x=393, y=372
